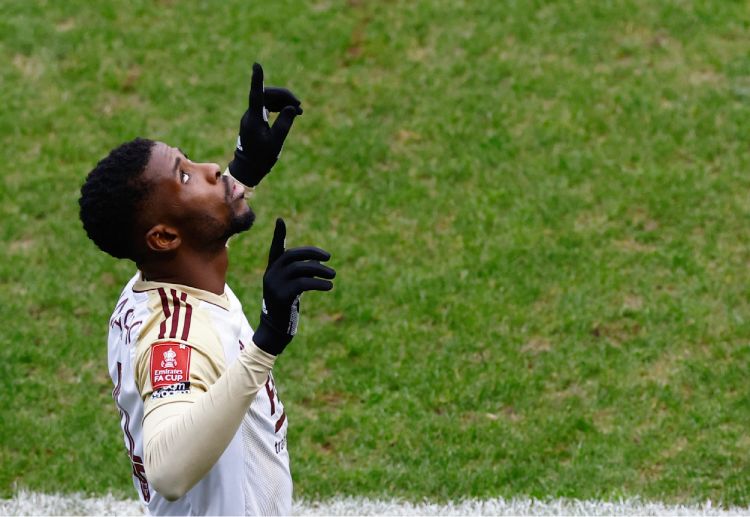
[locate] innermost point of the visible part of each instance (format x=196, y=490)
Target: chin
x=242, y=222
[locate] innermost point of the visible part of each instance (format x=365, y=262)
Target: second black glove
x=289, y=273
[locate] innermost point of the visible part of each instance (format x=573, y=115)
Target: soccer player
x=201, y=418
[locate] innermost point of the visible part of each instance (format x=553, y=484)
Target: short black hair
x=113, y=194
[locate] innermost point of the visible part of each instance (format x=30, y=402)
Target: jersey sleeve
x=169, y=371
x=193, y=405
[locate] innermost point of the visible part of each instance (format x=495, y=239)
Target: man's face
x=206, y=206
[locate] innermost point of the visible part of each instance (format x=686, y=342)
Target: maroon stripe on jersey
x=165, y=308
x=269, y=391
x=176, y=316
x=126, y=428
x=280, y=421
x=188, y=316
x=138, y=469
x=123, y=413
x=116, y=391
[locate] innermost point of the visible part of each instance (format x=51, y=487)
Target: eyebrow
x=178, y=160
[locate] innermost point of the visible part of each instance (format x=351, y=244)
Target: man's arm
x=184, y=438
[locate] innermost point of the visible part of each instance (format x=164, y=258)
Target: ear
x=162, y=238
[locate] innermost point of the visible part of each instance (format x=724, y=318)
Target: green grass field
x=539, y=212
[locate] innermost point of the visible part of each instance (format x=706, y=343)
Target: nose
x=213, y=172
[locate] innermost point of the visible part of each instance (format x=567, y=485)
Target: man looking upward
x=201, y=419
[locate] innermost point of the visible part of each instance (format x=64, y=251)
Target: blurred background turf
x=537, y=210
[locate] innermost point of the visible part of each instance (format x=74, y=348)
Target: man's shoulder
x=178, y=323
x=179, y=316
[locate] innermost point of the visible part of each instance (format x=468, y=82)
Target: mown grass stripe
x=36, y=503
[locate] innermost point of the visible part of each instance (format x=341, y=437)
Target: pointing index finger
x=256, y=91
x=277, y=244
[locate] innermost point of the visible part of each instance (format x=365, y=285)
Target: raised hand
x=289, y=274
x=258, y=144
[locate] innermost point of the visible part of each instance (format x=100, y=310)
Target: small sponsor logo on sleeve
x=181, y=388
x=170, y=366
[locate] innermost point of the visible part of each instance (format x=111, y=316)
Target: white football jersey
x=168, y=321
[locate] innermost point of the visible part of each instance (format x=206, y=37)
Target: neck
x=202, y=270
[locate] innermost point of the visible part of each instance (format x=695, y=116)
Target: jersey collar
x=222, y=300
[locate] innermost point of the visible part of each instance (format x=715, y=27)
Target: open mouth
x=236, y=191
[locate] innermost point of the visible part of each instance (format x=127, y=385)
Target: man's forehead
x=163, y=159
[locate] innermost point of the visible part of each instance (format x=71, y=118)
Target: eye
x=184, y=177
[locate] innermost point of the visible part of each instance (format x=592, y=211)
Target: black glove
x=288, y=275
x=258, y=144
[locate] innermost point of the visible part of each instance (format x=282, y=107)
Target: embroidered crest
x=170, y=364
